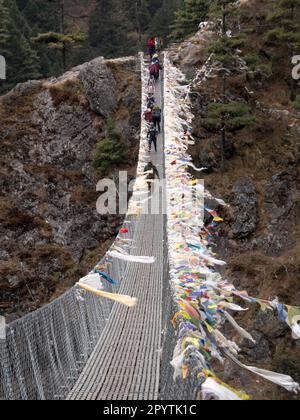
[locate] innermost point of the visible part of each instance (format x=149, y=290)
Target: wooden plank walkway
x=125, y=364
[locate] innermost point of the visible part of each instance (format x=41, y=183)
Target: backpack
x=153, y=69
x=150, y=103
x=157, y=113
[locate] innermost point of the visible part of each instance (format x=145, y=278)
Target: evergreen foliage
x=164, y=18
x=287, y=30
x=227, y=115
x=225, y=49
x=236, y=115
x=109, y=151
x=255, y=63
x=285, y=16
x=15, y=45
x=110, y=27
x=116, y=28
x=60, y=41
x=4, y=28
x=188, y=18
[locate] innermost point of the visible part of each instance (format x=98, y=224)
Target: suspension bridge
x=93, y=349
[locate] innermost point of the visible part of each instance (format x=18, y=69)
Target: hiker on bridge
x=151, y=46
x=150, y=102
x=152, y=137
x=151, y=173
x=148, y=115
x=151, y=87
x=154, y=70
x=155, y=59
x=157, y=117
x=158, y=43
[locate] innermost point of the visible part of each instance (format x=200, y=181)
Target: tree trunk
x=62, y=31
x=223, y=20
x=64, y=57
x=223, y=129
x=223, y=143
x=62, y=16
x=224, y=88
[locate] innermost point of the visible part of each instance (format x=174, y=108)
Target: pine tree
x=188, y=19
x=42, y=15
x=28, y=68
x=60, y=42
x=22, y=60
x=164, y=18
x=285, y=15
x=143, y=18
x=154, y=6
x=227, y=115
x=109, y=151
x=225, y=11
x=4, y=31
x=22, y=4
x=110, y=26
x=142, y=7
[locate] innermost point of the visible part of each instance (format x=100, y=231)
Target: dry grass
x=70, y=91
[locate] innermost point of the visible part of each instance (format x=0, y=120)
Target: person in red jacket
x=151, y=46
x=148, y=115
x=154, y=70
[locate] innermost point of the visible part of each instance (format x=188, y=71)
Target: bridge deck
x=125, y=364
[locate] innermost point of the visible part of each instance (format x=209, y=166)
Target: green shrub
x=254, y=63
x=108, y=151
x=266, y=68
x=237, y=115
x=185, y=82
x=296, y=103
x=252, y=60
x=225, y=48
x=274, y=35
x=55, y=277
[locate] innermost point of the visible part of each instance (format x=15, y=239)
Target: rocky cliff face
x=260, y=182
x=50, y=232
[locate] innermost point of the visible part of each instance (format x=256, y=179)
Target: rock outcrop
x=245, y=208
x=50, y=232
x=100, y=87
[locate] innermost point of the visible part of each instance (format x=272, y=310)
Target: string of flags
x=203, y=297
x=92, y=284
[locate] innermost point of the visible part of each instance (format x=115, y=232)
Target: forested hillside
x=41, y=38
